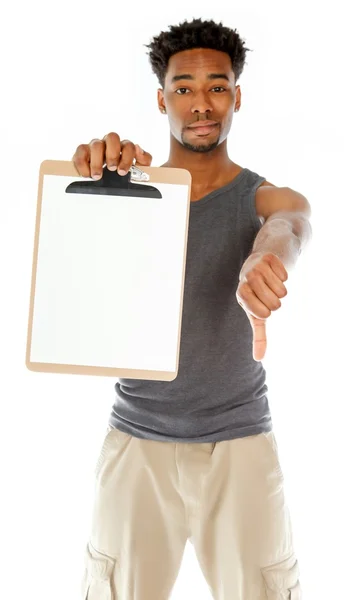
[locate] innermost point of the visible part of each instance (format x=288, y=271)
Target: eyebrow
x=210, y=76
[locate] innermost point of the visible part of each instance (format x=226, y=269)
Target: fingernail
x=121, y=172
x=96, y=176
x=112, y=167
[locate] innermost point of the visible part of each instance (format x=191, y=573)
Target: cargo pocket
x=282, y=580
x=98, y=580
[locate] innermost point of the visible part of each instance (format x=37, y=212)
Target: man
x=196, y=458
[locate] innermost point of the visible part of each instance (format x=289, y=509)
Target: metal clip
x=137, y=175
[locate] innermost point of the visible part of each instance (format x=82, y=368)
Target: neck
x=206, y=168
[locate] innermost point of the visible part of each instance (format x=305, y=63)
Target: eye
x=181, y=91
x=222, y=89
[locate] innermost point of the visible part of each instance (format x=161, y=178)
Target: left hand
x=260, y=289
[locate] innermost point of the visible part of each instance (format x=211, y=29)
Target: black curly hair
x=196, y=34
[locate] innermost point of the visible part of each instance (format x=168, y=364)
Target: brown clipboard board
x=156, y=175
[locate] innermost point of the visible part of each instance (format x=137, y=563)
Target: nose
x=201, y=104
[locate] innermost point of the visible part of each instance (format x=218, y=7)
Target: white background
x=73, y=71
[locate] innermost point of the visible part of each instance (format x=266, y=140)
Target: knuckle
x=269, y=256
x=244, y=291
x=128, y=150
x=253, y=275
x=262, y=268
x=112, y=136
x=81, y=160
x=128, y=144
x=80, y=153
x=96, y=142
x=81, y=148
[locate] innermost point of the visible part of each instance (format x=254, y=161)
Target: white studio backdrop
x=75, y=71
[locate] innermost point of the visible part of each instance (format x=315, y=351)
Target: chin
x=202, y=148
x=202, y=145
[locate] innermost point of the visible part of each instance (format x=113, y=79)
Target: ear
x=161, y=100
x=237, y=96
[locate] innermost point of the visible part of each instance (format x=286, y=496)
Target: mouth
x=202, y=128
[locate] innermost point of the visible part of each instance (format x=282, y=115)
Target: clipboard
x=108, y=272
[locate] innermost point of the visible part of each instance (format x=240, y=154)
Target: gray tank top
x=220, y=390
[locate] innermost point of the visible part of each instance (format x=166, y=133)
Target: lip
x=203, y=128
x=201, y=124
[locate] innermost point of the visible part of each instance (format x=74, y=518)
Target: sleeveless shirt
x=220, y=392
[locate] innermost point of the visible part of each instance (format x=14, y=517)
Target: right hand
x=89, y=159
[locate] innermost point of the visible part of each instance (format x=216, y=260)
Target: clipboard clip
x=137, y=174
x=112, y=184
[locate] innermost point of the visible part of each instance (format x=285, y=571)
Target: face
x=200, y=97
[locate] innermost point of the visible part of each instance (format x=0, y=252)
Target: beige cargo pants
x=227, y=498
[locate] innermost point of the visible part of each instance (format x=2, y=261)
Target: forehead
x=199, y=62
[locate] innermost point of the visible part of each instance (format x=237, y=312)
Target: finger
x=263, y=270
x=97, y=158
x=263, y=292
x=143, y=158
x=112, y=150
x=259, y=339
x=251, y=303
x=277, y=266
x=81, y=160
x=127, y=157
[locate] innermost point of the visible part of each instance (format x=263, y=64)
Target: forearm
x=278, y=238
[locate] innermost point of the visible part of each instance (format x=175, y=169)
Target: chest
x=219, y=241
x=260, y=200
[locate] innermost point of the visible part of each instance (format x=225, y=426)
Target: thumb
x=259, y=337
x=142, y=158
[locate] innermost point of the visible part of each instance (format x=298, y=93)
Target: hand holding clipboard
x=89, y=159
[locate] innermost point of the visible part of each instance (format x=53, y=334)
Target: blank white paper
x=109, y=278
